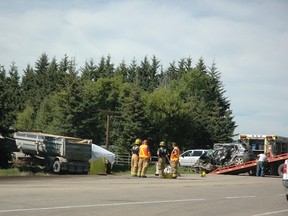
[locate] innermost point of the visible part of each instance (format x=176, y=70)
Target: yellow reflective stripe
x=143, y=153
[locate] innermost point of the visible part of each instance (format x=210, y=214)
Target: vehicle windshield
x=256, y=145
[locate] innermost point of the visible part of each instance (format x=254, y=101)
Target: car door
x=195, y=156
x=186, y=158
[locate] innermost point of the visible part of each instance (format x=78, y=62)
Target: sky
x=247, y=39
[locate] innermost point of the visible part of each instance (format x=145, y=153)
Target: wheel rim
x=239, y=160
x=56, y=166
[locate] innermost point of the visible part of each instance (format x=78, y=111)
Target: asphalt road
x=118, y=195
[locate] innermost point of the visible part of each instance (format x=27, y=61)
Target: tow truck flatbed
x=248, y=166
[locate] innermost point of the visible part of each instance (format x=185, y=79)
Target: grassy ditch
x=29, y=170
x=23, y=170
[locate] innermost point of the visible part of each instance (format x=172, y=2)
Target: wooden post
x=109, y=115
x=107, y=132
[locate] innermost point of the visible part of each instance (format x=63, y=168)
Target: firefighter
x=135, y=157
x=162, y=154
x=144, y=158
x=174, y=159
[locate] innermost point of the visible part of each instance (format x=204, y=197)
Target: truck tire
x=56, y=166
x=280, y=170
x=252, y=172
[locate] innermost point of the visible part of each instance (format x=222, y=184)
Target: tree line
x=182, y=103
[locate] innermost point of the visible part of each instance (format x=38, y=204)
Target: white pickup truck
x=285, y=177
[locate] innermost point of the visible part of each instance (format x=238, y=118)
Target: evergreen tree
x=147, y=74
x=153, y=75
x=71, y=101
x=182, y=103
x=3, y=95
x=52, y=77
x=12, y=89
x=122, y=71
x=184, y=65
x=63, y=72
x=105, y=68
x=28, y=86
x=41, y=78
x=217, y=90
x=221, y=115
x=131, y=122
x=200, y=66
x=89, y=72
x=132, y=72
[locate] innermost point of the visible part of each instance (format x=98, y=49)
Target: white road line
x=100, y=205
x=270, y=213
x=239, y=197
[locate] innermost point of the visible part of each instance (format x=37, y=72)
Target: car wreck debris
x=223, y=154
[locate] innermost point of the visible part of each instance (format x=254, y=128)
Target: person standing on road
x=144, y=158
x=135, y=157
x=162, y=154
x=174, y=159
x=261, y=164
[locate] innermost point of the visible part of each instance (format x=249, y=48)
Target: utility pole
x=109, y=115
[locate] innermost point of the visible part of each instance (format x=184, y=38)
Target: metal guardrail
x=125, y=159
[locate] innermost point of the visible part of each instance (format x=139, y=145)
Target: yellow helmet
x=162, y=143
x=137, y=141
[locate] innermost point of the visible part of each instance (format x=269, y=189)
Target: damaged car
x=224, y=154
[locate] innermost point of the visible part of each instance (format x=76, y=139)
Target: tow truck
x=276, y=148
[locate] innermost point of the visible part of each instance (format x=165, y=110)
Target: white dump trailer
x=61, y=154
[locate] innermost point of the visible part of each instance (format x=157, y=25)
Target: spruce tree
x=3, y=95
x=132, y=72
x=122, y=71
x=12, y=89
x=28, y=86
x=89, y=71
x=41, y=78
x=131, y=122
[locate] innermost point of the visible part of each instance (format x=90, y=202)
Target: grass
x=26, y=170
x=22, y=170
x=11, y=172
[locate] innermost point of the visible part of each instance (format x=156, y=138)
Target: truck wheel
x=252, y=172
x=280, y=170
x=56, y=166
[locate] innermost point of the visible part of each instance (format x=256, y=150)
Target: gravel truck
x=60, y=153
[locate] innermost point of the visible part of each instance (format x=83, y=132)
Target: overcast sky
x=248, y=40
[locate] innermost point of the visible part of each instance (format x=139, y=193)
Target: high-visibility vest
x=144, y=151
x=175, y=154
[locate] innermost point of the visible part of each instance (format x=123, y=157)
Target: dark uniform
x=162, y=153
